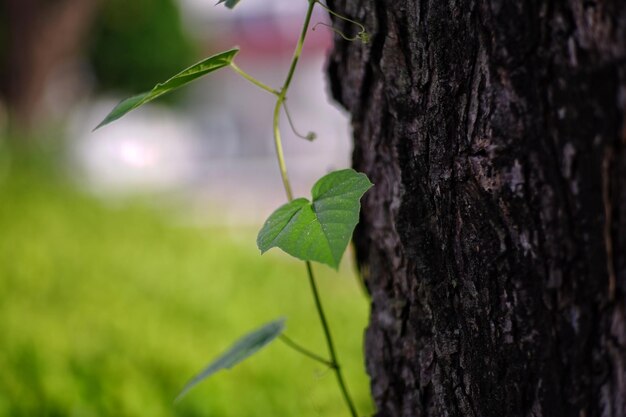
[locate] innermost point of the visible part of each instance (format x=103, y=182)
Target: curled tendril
x=310, y=136
x=362, y=35
x=337, y=31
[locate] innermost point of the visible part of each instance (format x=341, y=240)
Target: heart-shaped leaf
x=206, y=66
x=242, y=349
x=318, y=230
x=229, y=3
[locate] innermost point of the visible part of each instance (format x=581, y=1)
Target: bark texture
x=494, y=241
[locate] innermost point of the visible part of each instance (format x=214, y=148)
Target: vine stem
x=295, y=346
x=281, y=99
x=334, y=362
x=253, y=80
x=279, y=149
x=329, y=341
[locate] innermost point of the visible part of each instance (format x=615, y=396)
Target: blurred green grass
x=108, y=310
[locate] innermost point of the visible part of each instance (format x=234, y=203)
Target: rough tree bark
x=494, y=242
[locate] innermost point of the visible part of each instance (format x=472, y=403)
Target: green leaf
x=206, y=66
x=229, y=3
x=242, y=349
x=319, y=230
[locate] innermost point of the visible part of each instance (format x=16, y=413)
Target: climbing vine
x=318, y=229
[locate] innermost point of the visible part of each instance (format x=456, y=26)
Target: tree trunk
x=494, y=241
x=41, y=34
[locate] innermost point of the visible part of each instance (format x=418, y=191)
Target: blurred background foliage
x=110, y=302
x=126, y=46
x=107, y=310
x=137, y=44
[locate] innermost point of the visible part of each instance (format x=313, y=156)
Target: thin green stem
x=299, y=46
x=295, y=346
x=281, y=98
x=254, y=80
x=285, y=177
x=278, y=144
x=329, y=342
